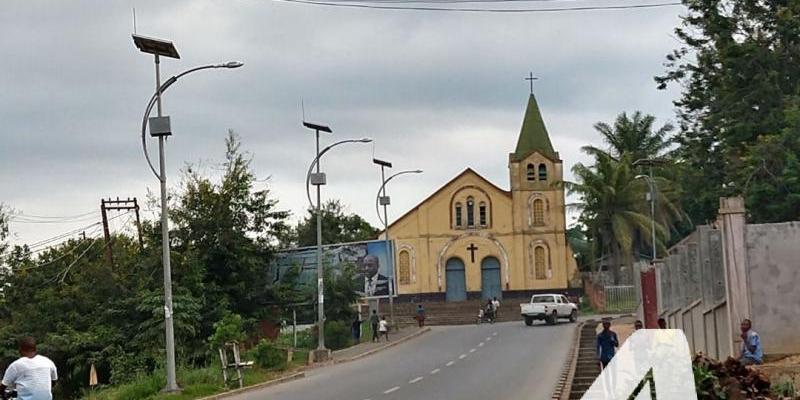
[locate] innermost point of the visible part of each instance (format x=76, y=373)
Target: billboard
x=371, y=259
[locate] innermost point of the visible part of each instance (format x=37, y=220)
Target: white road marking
x=463, y=356
x=415, y=380
x=480, y=344
x=471, y=350
x=436, y=371
x=488, y=339
x=450, y=363
x=494, y=334
x=394, y=389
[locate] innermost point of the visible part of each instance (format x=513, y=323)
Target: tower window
x=531, y=172
x=459, y=220
x=482, y=213
x=542, y=172
x=539, y=262
x=470, y=212
x=538, y=212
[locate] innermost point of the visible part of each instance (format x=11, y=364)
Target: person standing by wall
x=356, y=329
x=495, y=306
x=420, y=317
x=384, y=328
x=751, y=351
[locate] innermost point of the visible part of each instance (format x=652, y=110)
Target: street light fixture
x=650, y=162
x=382, y=199
x=318, y=179
x=160, y=127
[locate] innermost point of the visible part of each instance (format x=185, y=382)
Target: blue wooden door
x=455, y=279
x=490, y=279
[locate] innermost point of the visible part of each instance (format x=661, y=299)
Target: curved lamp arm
x=161, y=90
x=380, y=190
x=319, y=156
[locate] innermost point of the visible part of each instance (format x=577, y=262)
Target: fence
x=621, y=298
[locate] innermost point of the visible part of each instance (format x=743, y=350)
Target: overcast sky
x=437, y=91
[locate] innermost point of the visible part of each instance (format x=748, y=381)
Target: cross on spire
x=531, y=78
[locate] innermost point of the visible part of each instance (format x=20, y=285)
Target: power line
x=44, y=264
x=52, y=217
x=366, y=4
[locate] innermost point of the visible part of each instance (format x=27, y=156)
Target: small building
x=472, y=239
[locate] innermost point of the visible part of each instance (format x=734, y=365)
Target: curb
x=258, y=386
x=564, y=385
x=384, y=347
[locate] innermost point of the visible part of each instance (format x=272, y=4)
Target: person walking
x=32, y=375
x=420, y=317
x=638, y=325
x=384, y=328
x=374, y=321
x=751, y=352
x=662, y=323
x=607, y=343
x=356, y=329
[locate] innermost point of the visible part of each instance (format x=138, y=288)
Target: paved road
x=506, y=361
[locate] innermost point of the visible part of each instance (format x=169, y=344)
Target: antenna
x=134, y=20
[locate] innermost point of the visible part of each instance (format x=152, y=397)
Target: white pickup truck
x=548, y=307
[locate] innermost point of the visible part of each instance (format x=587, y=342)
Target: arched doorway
x=456, y=280
x=490, y=279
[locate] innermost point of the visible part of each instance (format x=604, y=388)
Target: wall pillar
x=733, y=226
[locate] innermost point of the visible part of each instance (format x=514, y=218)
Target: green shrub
x=305, y=339
x=230, y=328
x=785, y=388
x=337, y=335
x=269, y=356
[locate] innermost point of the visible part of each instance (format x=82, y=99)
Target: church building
x=472, y=239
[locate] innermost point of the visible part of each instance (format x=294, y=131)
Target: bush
x=337, y=335
x=230, y=328
x=305, y=339
x=268, y=356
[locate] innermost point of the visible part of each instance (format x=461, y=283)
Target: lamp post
x=382, y=199
x=160, y=127
x=318, y=179
x=651, y=183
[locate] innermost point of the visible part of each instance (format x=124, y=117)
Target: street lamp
x=382, y=199
x=651, y=183
x=318, y=179
x=160, y=127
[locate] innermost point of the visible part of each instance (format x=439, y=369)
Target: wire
x=66, y=270
x=488, y=10
x=58, y=258
x=54, y=217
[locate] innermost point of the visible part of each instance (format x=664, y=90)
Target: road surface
x=507, y=361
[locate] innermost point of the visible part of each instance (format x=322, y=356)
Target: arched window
x=542, y=172
x=538, y=212
x=482, y=213
x=459, y=217
x=531, y=172
x=539, y=262
x=404, y=267
x=470, y=212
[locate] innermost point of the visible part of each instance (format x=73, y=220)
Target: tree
x=337, y=227
x=4, y=219
x=635, y=136
x=740, y=78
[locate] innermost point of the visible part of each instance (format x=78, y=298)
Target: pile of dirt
x=729, y=380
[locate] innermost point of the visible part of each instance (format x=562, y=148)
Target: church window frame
x=470, y=212
x=540, y=262
x=459, y=217
x=404, y=267
x=542, y=172
x=482, y=215
x=531, y=173
x=538, y=212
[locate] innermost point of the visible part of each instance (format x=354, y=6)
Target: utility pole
x=118, y=205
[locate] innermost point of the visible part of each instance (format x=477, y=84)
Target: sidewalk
x=367, y=347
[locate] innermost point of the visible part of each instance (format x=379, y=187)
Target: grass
x=195, y=383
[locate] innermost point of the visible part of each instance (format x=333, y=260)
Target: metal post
x=389, y=255
x=653, y=210
x=294, y=328
x=172, y=384
x=320, y=284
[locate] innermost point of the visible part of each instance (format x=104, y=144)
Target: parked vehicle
x=548, y=307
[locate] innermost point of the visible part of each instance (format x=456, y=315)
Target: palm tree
x=635, y=136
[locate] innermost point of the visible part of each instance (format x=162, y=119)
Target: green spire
x=533, y=135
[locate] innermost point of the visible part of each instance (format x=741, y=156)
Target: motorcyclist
x=32, y=375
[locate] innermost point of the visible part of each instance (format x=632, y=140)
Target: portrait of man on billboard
x=375, y=284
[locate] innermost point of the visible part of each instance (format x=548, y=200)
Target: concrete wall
x=773, y=256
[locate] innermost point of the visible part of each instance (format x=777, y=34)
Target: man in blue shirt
x=607, y=343
x=751, y=351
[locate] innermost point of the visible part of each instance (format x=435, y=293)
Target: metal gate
x=621, y=298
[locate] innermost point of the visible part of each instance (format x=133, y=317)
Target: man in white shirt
x=31, y=375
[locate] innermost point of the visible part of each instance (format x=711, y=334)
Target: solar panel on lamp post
x=160, y=127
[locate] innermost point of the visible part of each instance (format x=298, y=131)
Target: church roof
x=533, y=135
x=445, y=186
